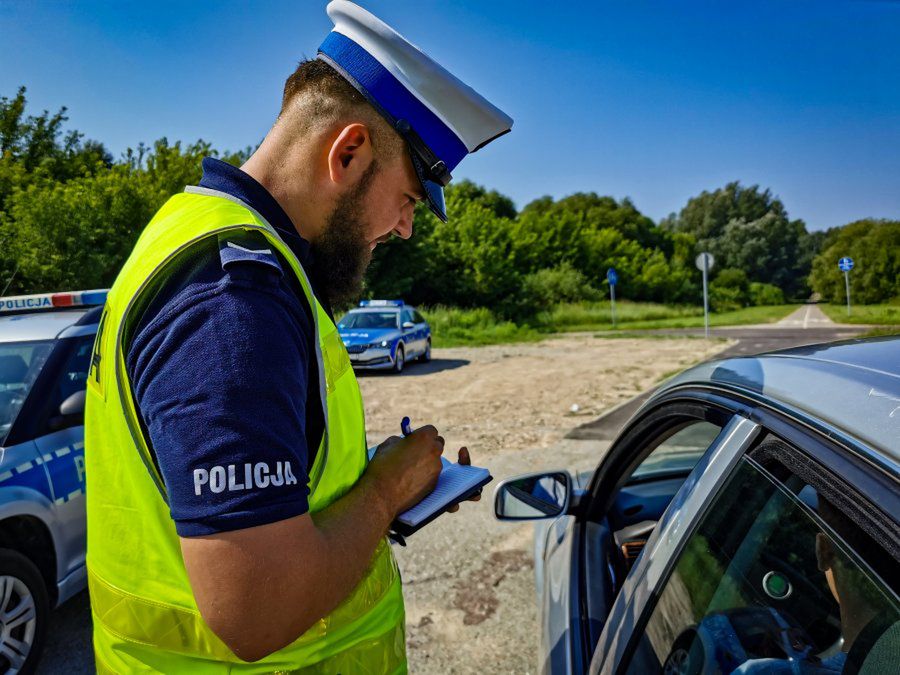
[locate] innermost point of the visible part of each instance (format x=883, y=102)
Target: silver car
x=45, y=360
x=744, y=521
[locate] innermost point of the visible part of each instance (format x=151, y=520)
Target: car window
x=418, y=318
x=73, y=375
x=407, y=316
x=362, y=320
x=678, y=453
x=765, y=585
x=20, y=363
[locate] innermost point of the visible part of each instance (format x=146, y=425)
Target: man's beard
x=341, y=253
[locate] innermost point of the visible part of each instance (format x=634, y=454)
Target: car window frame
x=667, y=540
x=51, y=405
x=627, y=620
x=658, y=420
x=33, y=415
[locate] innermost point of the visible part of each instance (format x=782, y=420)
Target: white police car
x=45, y=358
x=385, y=334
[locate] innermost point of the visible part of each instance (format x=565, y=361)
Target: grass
x=882, y=331
x=887, y=314
x=640, y=316
x=455, y=327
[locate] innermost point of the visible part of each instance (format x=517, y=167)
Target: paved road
x=806, y=326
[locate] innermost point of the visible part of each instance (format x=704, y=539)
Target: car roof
x=39, y=325
x=852, y=385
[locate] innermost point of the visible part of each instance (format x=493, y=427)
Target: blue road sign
x=846, y=264
x=612, y=277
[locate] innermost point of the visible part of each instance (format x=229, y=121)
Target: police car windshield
x=371, y=320
x=20, y=363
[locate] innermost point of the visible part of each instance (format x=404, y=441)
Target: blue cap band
x=386, y=91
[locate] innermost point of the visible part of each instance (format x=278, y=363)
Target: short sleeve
x=220, y=378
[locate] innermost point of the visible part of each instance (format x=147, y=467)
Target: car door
x=778, y=559
x=61, y=447
x=583, y=558
x=422, y=329
x=410, y=334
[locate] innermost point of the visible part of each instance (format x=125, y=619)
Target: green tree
x=729, y=290
x=749, y=229
x=77, y=233
x=874, y=246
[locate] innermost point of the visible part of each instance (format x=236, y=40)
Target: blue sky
x=651, y=100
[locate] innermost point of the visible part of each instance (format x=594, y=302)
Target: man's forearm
x=285, y=576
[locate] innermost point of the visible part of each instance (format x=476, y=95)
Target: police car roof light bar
x=381, y=303
x=43, y=301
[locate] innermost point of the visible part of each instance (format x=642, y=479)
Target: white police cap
x=441, y=118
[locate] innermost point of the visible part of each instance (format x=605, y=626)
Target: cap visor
x=434, y=192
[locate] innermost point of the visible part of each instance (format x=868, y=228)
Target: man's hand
x=404, y=470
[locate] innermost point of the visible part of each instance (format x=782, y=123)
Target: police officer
x=234, y=522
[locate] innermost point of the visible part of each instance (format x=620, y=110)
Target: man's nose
x=404, y=228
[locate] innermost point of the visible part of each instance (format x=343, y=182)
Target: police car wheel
x=426, y=355
x=400, y=359
x=24, y=612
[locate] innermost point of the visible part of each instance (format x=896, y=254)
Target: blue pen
x=404, y=427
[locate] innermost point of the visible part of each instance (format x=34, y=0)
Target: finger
x=439, y=440
x=428, y=430
x=476, y=497
x=464, y=457
x=390, y=440
x=453, y=509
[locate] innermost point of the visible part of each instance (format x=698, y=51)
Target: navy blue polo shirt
x=222, y=363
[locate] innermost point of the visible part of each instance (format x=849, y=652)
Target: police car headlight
x=384, y=343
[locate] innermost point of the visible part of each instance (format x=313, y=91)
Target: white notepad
x=454, y=482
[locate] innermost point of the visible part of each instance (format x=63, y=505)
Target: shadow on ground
x=418, y=368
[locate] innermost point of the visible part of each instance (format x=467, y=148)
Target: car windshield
x=370, y=320
x=20, y=363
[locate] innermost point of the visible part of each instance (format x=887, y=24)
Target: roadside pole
x=845, y=264
x=704, y=263
x=613, y=279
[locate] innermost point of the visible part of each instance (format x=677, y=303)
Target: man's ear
x=350, y=154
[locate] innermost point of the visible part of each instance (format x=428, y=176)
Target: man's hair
x=316, y=96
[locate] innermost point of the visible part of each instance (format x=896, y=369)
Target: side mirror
x=408, y=324
x=534, y=496
x=71, y=412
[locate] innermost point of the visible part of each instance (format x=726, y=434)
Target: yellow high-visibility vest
x=145, y=616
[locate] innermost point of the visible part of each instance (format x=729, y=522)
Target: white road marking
x=806, y=317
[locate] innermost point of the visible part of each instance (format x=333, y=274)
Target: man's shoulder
x=248, y=250
x=234, y=281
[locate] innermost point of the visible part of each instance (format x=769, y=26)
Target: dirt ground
x=468, y=579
